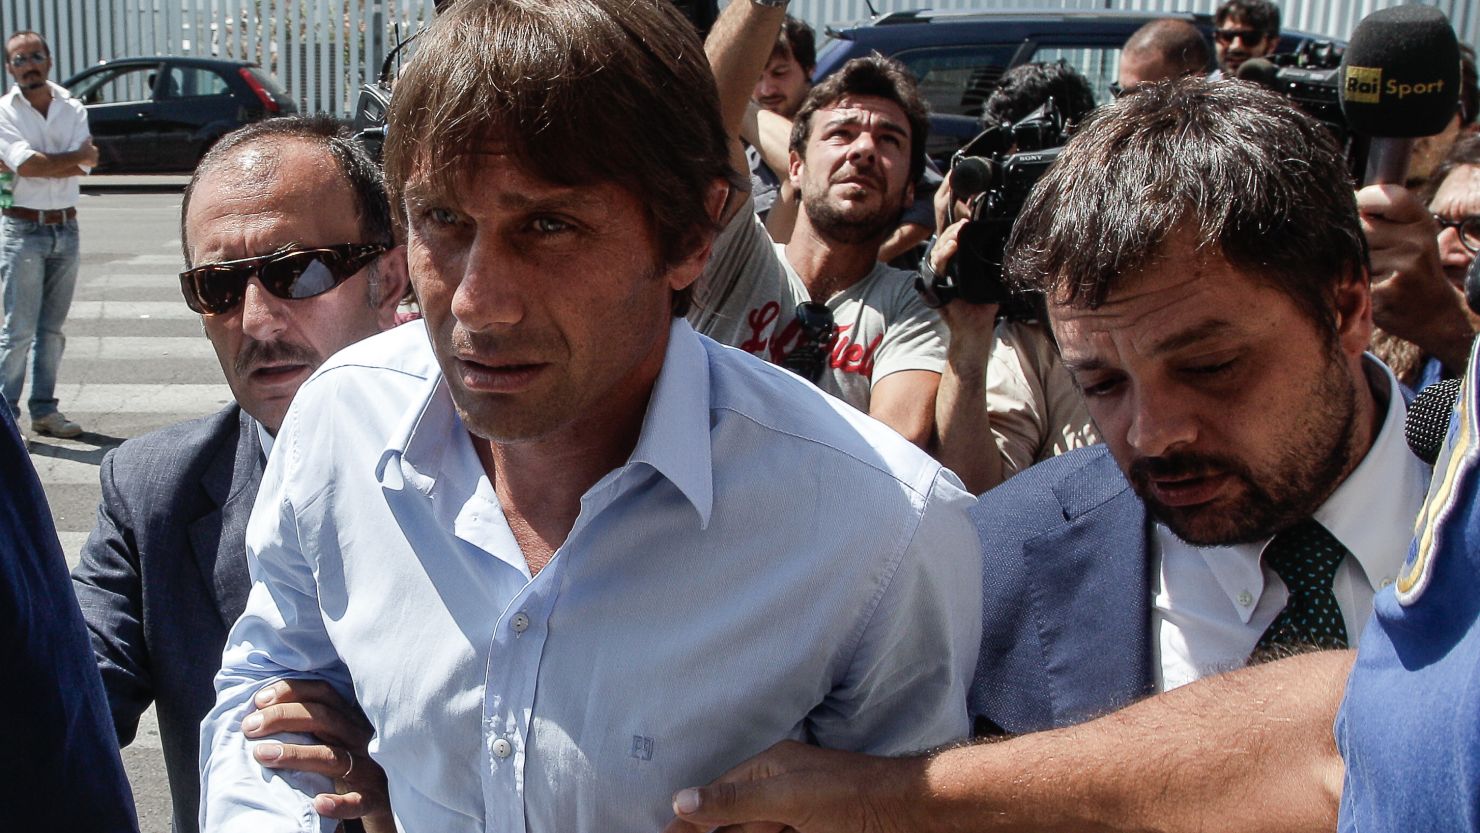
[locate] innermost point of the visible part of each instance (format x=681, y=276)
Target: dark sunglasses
x=20, y=59
x=217, y=288
x=1249, y=36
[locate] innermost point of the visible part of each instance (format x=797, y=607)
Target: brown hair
x=1251, y=176
x=577, y=91
x=873, y=75
x=797, y=41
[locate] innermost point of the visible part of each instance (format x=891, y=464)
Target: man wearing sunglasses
x=44, y=139
x=1244, y=29
x=287, y=235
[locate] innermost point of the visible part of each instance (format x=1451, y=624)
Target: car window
x=116, y=86
x=956, y=80
x=1100, y=64
x=192, y=81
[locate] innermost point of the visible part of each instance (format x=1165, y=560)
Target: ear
x=1354, y=312
x=687, y=270
x=394, y=279
x=795, y=169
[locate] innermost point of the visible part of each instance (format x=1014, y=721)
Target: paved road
x=136, y=360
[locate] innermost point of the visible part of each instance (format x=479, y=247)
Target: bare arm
x=1249, y=752
x=738, y=47
x=60, y=165
x=904, y=238
x=905, y=401
x=963, y=441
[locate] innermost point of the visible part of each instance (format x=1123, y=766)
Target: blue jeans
x=38, y=271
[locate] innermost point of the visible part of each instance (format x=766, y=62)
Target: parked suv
x=958, y=56
x=160, y=114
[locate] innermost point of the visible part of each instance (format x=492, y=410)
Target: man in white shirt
x=44, y=139
x=522, y=534
x=1252, y=494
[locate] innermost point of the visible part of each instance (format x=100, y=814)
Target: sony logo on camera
x=1364, y=85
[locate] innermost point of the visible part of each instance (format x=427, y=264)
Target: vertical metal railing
x=322, y=50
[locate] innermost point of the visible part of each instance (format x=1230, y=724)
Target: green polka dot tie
x=1305, y=557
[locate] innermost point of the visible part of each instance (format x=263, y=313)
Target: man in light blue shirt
x=566, y=554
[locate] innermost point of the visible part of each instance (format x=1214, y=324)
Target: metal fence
x=322, y=50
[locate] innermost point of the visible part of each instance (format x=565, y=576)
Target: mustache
x=255, y=354
x=1181, y=465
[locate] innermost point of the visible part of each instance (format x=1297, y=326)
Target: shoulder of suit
x=1069, y=483
x=178, y=449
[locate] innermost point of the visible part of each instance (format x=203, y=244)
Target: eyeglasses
x=1116, y=91
x=217, y=288
x=20, y=59
x=1468, y=229
x=816, y=331
x=1248, y=36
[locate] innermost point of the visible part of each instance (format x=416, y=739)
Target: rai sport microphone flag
x=1409, y=726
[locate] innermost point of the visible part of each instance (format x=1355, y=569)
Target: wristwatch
x=772, y=4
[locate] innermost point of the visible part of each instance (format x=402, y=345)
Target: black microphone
x=971, y=176
x=1399, y=81
x=1428, y=418
x=1259, y=71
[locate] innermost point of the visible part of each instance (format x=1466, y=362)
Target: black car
x=958, y=56
x=160, y=114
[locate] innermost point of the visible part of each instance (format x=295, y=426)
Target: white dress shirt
x=1211, y=605
x=768, y=564
x=24, y=131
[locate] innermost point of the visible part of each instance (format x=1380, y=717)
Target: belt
x=55, y=217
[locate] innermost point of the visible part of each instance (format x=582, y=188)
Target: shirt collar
x=674, y=439
x=1369, y=513
x=264, y=438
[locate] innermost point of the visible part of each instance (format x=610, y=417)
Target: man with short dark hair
x=287, y=236
x=1253, y=492
x=1244, y=29
x=519, y=532
x=44, y=139
x=1159, y=51
x=856, y=147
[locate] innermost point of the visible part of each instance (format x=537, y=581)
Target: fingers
x=751, y=807
x=1393, y=203
x=349, y=805
x=300, y=691
x=328, y=724
x=315, y=758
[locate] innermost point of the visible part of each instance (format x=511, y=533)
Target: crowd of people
x=675, y=506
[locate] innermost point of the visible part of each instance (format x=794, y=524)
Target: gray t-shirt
x=747, y=298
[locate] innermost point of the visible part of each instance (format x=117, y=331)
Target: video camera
x=1310, y=77
x=995, y=172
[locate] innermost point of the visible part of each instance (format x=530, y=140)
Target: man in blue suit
x=1207, y=284
x=287, y=230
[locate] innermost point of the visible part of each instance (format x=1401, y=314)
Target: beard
x=834, y=224
x=1317, y=455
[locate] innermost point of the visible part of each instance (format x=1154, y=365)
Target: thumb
x=735, y=803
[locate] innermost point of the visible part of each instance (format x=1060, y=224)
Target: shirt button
x=1245, y=598
x=520, y=622
x=502, y=748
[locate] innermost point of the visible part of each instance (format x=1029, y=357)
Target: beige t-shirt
x=1036, y=409
x=747, y=298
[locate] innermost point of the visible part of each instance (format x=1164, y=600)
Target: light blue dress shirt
x=768, y=564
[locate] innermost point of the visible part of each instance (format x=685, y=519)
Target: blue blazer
x=163, y=577
x=59, y=768
x=1066, y=595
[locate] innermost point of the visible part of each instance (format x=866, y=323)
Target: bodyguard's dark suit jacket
x=164, y=576
x=1066, y=596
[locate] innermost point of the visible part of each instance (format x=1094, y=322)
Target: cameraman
x=1003, y=379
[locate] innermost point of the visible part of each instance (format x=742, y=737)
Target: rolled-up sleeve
x=280, y=635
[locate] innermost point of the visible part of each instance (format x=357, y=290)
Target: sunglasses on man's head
x=1249, y=36
x=217, y=288
x=20, y=59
